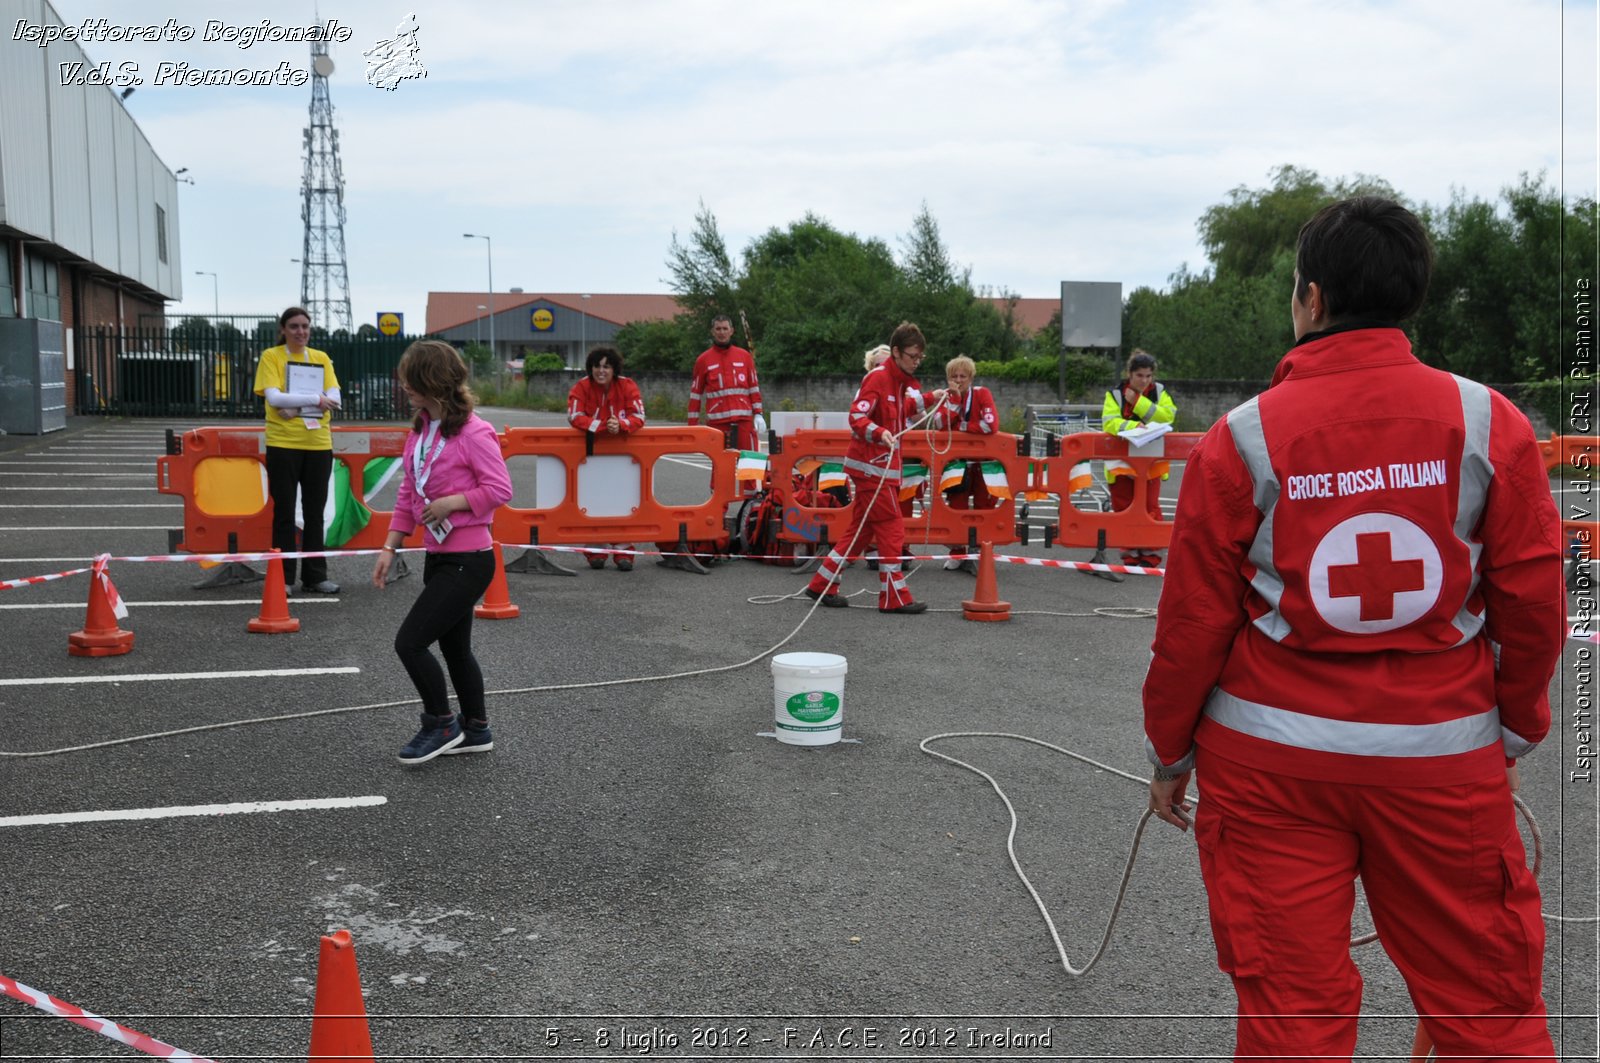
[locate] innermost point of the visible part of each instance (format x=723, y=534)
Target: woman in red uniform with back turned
x=1355, y=642
x=606, y=403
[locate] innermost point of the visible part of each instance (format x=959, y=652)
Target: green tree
x=1495, y=309
x=1243, y=236
x=818, y=297
x=702, y=275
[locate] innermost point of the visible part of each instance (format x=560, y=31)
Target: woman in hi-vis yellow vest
x=301, y=394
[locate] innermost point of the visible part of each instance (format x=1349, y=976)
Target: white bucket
x=808, y=698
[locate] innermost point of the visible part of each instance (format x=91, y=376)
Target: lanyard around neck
x=421, y=460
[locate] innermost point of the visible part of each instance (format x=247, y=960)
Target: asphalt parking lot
x=636, y=869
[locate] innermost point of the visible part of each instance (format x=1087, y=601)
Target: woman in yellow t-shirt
x=301, y=394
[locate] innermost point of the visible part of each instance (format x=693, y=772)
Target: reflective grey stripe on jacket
x=725, y=392
x=1360, y=739
x=864, y=468
x=1472, y=489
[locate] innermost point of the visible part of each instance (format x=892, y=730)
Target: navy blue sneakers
x=475, y=739
x=439, y=734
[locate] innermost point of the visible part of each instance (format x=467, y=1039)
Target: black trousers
x=307, y=471
x=442, y=613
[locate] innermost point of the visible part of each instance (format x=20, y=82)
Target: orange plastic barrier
x=592, y=509
x=1132, y=527
x=1580, y=454
x=802, y=522
x=220, y=474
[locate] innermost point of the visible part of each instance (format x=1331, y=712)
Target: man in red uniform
x=725, y=381
x=886, y=403
x=1344, y=574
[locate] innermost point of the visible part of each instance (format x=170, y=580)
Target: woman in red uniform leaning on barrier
x=606, y=403
x=1355, y=641
x=455, y=478
x=301, y=394
x=969, y=408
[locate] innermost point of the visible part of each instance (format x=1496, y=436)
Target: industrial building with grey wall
x=88, y=220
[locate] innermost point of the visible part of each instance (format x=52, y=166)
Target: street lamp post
x=477, y=327
x=583, y=332
x=216, y=305
x=488, y=248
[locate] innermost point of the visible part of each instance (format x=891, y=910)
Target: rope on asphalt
x=543, y=689
x=1138, y=835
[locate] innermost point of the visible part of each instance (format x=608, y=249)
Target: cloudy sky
x=1051, y=139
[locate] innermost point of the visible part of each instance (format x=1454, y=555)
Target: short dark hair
x=603, y=354
x=1370, y=256
x=722, y=317
x=906, y=336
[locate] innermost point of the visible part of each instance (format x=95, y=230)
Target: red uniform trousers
x=1447, y=882
x=878, y=521
x=1122, y=492
x=972, y=494
x=745, y=437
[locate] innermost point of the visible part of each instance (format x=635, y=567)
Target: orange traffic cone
x=985, y=604
x=497, y=599
x=338, y=1014
x=100, y=637
x=274, y=618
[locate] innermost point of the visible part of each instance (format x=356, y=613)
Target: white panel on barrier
x=608, y=485
x=786, y=421
x=549, y=482
x=832, y=422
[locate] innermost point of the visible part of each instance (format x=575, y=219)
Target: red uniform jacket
x=589, y=406
x=725, y=380
x=975, y=413
x=888, y=398
x=1352, y=550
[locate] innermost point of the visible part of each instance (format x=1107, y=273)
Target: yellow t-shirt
x=291, y=432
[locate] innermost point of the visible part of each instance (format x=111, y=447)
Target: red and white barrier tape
x=99, y=562
x=90, y=1021
x=29, y=581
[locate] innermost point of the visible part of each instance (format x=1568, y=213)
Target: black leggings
x=307, y=471
x=451, y=586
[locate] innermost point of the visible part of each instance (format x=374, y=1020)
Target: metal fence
x=204, y=370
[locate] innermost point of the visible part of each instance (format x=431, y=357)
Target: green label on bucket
x=813, y=706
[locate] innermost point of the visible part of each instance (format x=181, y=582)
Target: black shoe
x=831, y=600
x=909, y=608
x=326, y=586
x=596, y=560
x=624, y=564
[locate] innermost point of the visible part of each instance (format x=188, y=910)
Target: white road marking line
x=319, y=600
x=308, y=804
x=28, y=487
x=98, y=505
x=163, y=677
x=65, y=464
x=120, y=475
x=87, y=527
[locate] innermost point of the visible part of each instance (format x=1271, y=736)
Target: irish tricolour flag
x=752, y=466
x=346, y=515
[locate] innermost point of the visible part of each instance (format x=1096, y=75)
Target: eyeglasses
x=915, y=356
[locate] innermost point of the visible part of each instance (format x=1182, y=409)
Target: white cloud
x=1050, y=139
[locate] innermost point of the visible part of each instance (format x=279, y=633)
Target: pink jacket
x=470, y=464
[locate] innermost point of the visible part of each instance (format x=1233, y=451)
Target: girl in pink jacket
x=455, y=478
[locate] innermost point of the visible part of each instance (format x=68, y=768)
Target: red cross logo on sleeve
x=1373, y=573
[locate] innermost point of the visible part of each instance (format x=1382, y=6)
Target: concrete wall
x=1201, y=403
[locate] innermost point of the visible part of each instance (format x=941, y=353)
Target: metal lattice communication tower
x=324, y=278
